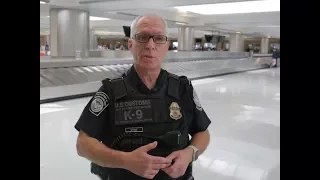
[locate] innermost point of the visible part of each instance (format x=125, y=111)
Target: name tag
x=133, y=112
x=134, y=129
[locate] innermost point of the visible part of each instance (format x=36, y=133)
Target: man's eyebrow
x=159, y=33
x=156, y=33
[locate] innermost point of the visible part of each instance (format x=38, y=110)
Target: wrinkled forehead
x=154, y=25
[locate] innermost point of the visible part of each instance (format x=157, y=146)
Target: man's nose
x=150, y=44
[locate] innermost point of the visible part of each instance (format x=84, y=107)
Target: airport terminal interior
x=229, y=49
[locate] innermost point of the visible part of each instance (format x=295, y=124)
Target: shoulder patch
x=99, y=103
x=196, y=100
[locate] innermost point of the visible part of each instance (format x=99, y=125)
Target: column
x=48, y=39
x=93, y=40
x=264, y=46
x=236, y=43
x=185, y=38
x=218, y=46
x=69, y=32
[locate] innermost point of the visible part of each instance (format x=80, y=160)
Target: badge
x=196, y=100
x=99, y=103
x=175, y=111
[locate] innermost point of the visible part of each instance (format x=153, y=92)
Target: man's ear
x=130, y=44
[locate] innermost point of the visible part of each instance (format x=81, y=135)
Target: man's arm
x=198, y=127
x=201, y=140
x=95, y=151
x=92, y=126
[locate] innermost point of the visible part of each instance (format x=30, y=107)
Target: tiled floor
x=245, y=131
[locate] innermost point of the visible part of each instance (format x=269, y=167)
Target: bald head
x=148, y=43
x=159, y=21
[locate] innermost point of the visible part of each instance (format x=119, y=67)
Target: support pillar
x=93, y=40
x=48, y=39
x=264, y=46
x=185, y=38
x=236, y=43
x=69, y=33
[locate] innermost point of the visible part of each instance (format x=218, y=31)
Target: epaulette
x=185, y=80
x=113, y=79
x=174, y=76
x=174, y=86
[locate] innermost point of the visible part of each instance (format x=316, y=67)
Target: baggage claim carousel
x=69, y=79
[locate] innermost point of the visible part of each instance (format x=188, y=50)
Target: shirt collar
x=136, y=81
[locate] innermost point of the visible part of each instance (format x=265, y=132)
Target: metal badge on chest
x=175, y=111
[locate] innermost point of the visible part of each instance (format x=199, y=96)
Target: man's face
x=148, y=55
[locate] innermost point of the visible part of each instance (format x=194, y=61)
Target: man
x=47, y=48
x=137, y=126
x=275, y=56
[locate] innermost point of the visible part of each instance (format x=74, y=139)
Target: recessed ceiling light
x=93, y=18
x=181, y=23
x=269, y=26
x=42, y=2
x=233, y=8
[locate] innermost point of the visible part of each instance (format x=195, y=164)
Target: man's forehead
x=151, y=22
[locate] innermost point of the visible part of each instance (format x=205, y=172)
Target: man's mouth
x=148, y=56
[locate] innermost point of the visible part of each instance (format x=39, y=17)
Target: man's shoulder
x=108, y=80
x=183, y=79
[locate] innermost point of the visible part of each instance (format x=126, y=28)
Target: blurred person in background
x=47, y=48
x=275, y=56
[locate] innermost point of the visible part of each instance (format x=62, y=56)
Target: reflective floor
x=245, y=131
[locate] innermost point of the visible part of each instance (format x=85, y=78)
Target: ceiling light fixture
x=44, y=1
x=93, y=18
x=271, y=26
x=181, y=23
x=233, y=8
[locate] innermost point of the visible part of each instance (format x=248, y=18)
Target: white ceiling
x=122, y=12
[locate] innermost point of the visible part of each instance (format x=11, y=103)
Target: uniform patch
x=175, y=111
x=132, y=112
x=99, y=103
x=196, y=100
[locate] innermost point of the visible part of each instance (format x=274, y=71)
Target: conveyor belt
x=62, y=83
x=50, y=77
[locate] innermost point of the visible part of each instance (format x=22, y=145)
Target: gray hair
x=133, y=26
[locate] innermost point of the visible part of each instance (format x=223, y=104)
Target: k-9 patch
x=132, y=112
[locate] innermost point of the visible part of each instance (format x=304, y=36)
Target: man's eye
x=159, y=38
x=143, y=37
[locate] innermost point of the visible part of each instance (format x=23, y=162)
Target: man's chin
x=150, y=65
